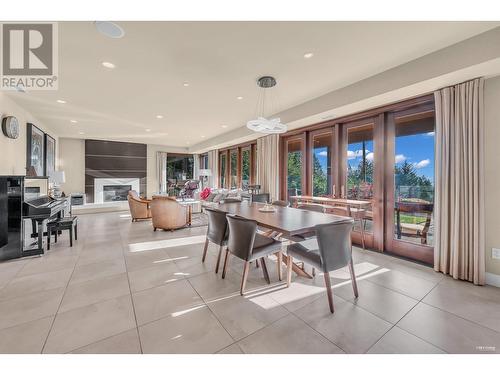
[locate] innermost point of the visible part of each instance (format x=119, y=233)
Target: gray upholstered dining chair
x=329, y=251
x=245, y=243
x=281, y=203
x=217, y=232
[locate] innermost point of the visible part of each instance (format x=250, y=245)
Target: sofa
x=168, y=214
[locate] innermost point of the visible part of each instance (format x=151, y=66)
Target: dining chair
x=245, y=243
x=281, y=203
x=217, y=232
x=312, y=207
x=329, y=251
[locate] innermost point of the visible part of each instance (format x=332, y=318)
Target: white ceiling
x=221, y=61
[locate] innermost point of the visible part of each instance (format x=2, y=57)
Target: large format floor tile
x=351, y=328
x=124, y=343
x=449, y=332
x=397, y=341
x=27, y=338
x=287, y=336
x=49, y=263
x=97, y=270
x=79, y=327
x=158, y=275
x=195, y=331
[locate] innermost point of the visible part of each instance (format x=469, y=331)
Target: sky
x=417, y=149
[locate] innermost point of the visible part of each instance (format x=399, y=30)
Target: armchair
x=168, y=214
x=139, y=207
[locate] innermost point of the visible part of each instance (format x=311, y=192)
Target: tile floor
x=126, y=289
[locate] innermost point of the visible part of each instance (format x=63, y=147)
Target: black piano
x=25, y=208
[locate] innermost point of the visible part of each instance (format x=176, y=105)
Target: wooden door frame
x=284, y=167
x=331, y=131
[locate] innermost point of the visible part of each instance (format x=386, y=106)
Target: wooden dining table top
x=337, y=201
x=286, y=220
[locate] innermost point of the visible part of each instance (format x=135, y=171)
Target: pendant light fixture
x=261, y=124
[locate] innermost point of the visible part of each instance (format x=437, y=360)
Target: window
x=180, y=166
x=234, y=168
x=322, y=147
x=246, y=166
x=204, y=161
x=222, y=169
x=294, y=166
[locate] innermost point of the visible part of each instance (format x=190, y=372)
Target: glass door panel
x=234, y=168
x=246, y=165
x=322, y=161
x=222, y=169
x=295, y=166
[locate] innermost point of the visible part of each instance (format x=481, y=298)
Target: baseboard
x=492, y=279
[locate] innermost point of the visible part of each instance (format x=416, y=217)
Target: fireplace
x=109, y=190
x=114, y=193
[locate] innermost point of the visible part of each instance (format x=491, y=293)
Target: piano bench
x=64, y=223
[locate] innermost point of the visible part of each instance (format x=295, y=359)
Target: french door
x=294, y=165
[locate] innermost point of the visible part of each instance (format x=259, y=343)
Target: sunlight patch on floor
x=187, y=311
x=162, y=244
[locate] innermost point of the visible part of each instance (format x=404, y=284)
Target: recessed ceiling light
x=223, y=126
x=239, y=97
x=185, y=84
x=110, y=29
x=73, y=121
x=81, y=133
x=60, y=101
x=108, y=65
x=148, y=130
x=159, y=116
x=308, y=55
x=202, y=136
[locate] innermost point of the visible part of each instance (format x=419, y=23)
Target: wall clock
x=10, y=127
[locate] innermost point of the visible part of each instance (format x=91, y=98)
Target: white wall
x=13, y=151
x=72, y=162
x=492, y=172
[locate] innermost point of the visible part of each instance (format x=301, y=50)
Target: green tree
x=409, y=184
x=294, y=172
x=320, y=179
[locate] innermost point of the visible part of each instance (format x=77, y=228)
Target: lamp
x=57, y=178
x=205, y=173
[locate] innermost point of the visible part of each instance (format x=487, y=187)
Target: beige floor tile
x=9, y=269
x=27, y=338
x=414, y=287
x=385, y=303
x=49, y=263
x=193, y=266
x=231, y=349
x=99, y=270
x=158, y=275
x=243, y=315
x=170, y=299
x=415, y=269
x=287, y=336
x=93, y=291
x=480, y=304
x=196, y=331
x=449, y=332
x=79, y=327
x=146, y=259
x=29, y=307
x=211, y=286
x=123, y=343
x=397, y=341
x=351, y=328
x=100, y=254
x=23, y=285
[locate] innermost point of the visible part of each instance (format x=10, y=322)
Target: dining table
x=286, y=222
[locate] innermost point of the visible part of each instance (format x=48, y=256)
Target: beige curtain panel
x=268, y=165
x=213, y=165
x=161, y=171
x=459, y=201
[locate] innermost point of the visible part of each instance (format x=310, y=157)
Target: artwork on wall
x=35, y=155
x=50, y=155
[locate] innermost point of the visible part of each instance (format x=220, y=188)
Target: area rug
x=199, y=220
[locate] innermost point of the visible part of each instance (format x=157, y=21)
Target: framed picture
x=50, y=155
x=35, y=151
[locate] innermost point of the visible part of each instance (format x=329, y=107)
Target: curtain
x=213, y=165
x=161, y=172
x=459, y=198
x=268, y=165
x=196, y=167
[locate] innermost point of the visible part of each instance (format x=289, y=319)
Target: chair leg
x=329, y=292
x=71, y=236
x=264, y=270
x=56, y=234
x=244, y=277
x=76, y=232
x=205, y=251
x=363, y=233
x=353, y=279
x=226, y=259
x=280, y=259
x=218, y=260
x=289, y=271
x=49, y=233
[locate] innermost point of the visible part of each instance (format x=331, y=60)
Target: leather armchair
x=168, y=214
x=139, y=207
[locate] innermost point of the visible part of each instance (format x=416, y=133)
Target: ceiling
x=220, y=61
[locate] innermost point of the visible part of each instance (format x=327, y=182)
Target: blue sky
x=416, y=149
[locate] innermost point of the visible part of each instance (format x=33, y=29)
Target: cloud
x=356, y=154
x=430, y=134
x=422, y=163
x=369, y=156
x=399, y=158
x=323, y=153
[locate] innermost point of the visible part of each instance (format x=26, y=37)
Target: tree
x=294, y=173
x=320, y=179
x=409, y=184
